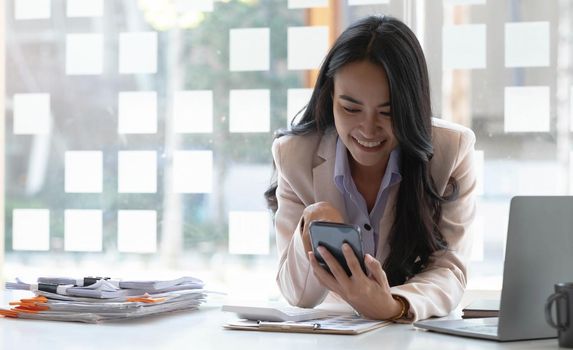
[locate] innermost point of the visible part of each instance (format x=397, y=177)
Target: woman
x=368, y=152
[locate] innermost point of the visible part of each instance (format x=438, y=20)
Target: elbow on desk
x=297, y=296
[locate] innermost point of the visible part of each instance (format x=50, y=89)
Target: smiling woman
x=364, y=124
x=368, y=152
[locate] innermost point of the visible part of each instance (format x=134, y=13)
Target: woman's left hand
x=368, y=294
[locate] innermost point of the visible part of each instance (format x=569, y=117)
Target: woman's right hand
x=320, y=211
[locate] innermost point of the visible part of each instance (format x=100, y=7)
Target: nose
x=370, y=125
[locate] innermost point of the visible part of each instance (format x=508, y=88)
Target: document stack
x=97, y=299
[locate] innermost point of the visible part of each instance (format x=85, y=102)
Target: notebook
x=538, y=255
x=482, y=308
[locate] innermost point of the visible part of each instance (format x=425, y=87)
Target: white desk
x=202, y=329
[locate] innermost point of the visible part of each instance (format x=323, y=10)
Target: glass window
x=138, y=133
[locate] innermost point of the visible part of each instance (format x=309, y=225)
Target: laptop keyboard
x=487, y=326
x=484, y=329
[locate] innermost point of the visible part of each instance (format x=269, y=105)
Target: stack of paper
x=98, y=287
x=99, y=299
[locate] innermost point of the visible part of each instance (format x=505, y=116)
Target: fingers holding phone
x=375, y=271
x=362, y=282
x=343, y=242
x=320, y=211
x=356, y=263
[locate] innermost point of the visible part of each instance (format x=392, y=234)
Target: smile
x=368, y=144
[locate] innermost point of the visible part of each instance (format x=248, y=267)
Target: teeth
x=368, y=144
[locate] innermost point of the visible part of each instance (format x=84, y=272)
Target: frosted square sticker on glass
x=84, y=54
x=302, y=4
x=84, y=8
x=32, y=114
x=527, y=44
x=137, y=231
x=83, y=230
x=249, y=49
x=193, y=111
x=31, y=229
x=84, y=172
x=137, y=172
x=32, y=9
x=249, y=232
x=297, y=99
x=526, y=109
x=307, y=47
x=193, y=171
x=464, y=46
x=249, y=111
x=367, y=2
x=137, y=112
x=138, y=53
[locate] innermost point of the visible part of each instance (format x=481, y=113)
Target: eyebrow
x=353, y=100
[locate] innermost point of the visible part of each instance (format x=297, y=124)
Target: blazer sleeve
x=438, y=289
x=295, y=279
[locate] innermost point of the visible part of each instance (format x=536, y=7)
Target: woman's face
x=362, y=115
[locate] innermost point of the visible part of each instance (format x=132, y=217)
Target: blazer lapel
x=323, y=173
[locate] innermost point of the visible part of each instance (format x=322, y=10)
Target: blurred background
x=137, y=133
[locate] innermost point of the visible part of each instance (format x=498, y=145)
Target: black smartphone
x=331, y=236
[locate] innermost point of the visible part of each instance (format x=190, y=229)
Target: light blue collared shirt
x=356, y=208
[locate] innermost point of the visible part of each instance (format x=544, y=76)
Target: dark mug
x=563, y=299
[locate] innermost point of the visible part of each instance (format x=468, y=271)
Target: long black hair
x=390, y=44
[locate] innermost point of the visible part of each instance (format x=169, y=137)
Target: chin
x=368, y=162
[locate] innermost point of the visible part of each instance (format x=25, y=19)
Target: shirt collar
x=392, y=174
x=342, y=168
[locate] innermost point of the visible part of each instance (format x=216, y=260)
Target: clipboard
x=344, y=325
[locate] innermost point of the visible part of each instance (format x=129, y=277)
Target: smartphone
x=331, y=236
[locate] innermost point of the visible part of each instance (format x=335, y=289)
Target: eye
x=386, y=114
x=350, y=110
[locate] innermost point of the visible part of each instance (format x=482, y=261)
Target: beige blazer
x=305, y=167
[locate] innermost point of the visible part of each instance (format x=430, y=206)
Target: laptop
x=538, y=254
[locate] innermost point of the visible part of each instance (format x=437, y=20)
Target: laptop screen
x=538, y=254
